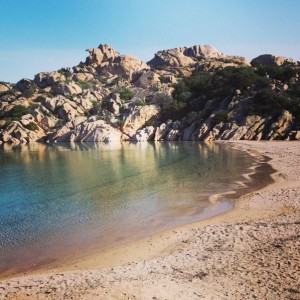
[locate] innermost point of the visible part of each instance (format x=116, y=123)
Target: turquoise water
x=56, y=200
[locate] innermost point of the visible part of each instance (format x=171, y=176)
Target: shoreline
x=85, y=257
x=189, y=262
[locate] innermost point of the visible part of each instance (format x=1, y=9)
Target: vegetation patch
x=29, y=92
x=40, y=98
x=18, y=111
x=141, y=102
x=85, y=85
x=32, y=126
x=126, y=93
x=219, y=117
x=65, y=71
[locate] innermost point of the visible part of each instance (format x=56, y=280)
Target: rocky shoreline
x=249, y=252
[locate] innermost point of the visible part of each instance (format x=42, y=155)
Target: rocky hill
x=188, y=93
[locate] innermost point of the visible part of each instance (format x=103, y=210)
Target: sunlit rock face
x=187, y=93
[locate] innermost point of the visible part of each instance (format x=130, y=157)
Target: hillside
x=188, y=93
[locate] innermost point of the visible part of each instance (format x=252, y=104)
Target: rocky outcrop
x=214, y=64
x=108, y=62
x=148, y=80
x=24, y=85
x=66, y=89
x=114, y=97
x=145, y=134
x=4, y=87
x=162, y=131
x=270, y=59
x=183, y=56
x=98, y=55
x=124, y=66
x=17, y=132
x=205, y=51
x=45, y=79
x=88, y=131
x=281, y=127
x=171, y=58
x=138, y=117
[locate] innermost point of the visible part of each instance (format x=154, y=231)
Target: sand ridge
x=251, y=252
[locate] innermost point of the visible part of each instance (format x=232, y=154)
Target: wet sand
x=249, y=252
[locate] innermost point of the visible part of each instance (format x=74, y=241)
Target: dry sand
x=250, y=252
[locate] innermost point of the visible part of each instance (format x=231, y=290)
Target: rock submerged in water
x=113, y=97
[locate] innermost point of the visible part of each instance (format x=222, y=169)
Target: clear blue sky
x=38, y=35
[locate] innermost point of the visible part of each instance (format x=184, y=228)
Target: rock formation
x=112, y=97
x=182, y=57
x=270, y=59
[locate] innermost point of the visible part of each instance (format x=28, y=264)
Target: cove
x=58, y=200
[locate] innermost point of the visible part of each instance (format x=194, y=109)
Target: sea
x=57, y=200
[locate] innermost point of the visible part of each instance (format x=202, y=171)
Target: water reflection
x=59, y=198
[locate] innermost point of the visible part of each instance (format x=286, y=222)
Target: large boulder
x=53, y=104
x=82, y=76
x=201, y=51
x=214, y=133
x=45, y=79
x=183, y=56
x=17, y=132
x=69, y=111
x=124, y=66
x=163, y=130
x=21, y=101
x=107, y=61
x=281, y=127
x=171, y=58
x=24, y=84
x=147, y=80
x=213, y=64
x=138, y=118
x=113, y=106
x=66, y=89
x=4, y=87
x=88, y=131
x=255, y=127
x=145, y=134
x=100, y=54
x=272, y=60
x=49, y=121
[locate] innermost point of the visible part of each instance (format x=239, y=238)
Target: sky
x=39, y=35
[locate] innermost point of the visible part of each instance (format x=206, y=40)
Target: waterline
x=57, y=200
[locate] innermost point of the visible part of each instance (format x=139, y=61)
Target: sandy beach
x=250, y=252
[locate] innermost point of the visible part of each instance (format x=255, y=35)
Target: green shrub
x=123, y=107
x=18, y=111
x=126, y=93
x=32, y=126
x=219, y=117
x=85, y=85
x=268, y=102
x=240, y=78
x=283, y=73
x=141, y=102
x=121, y=123
x=7, y=123
x=40, y=98
x=34, y=106
x=29, y=92
x=65, y=71
x=7, y=93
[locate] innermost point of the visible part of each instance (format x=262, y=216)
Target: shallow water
x=56, y=200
